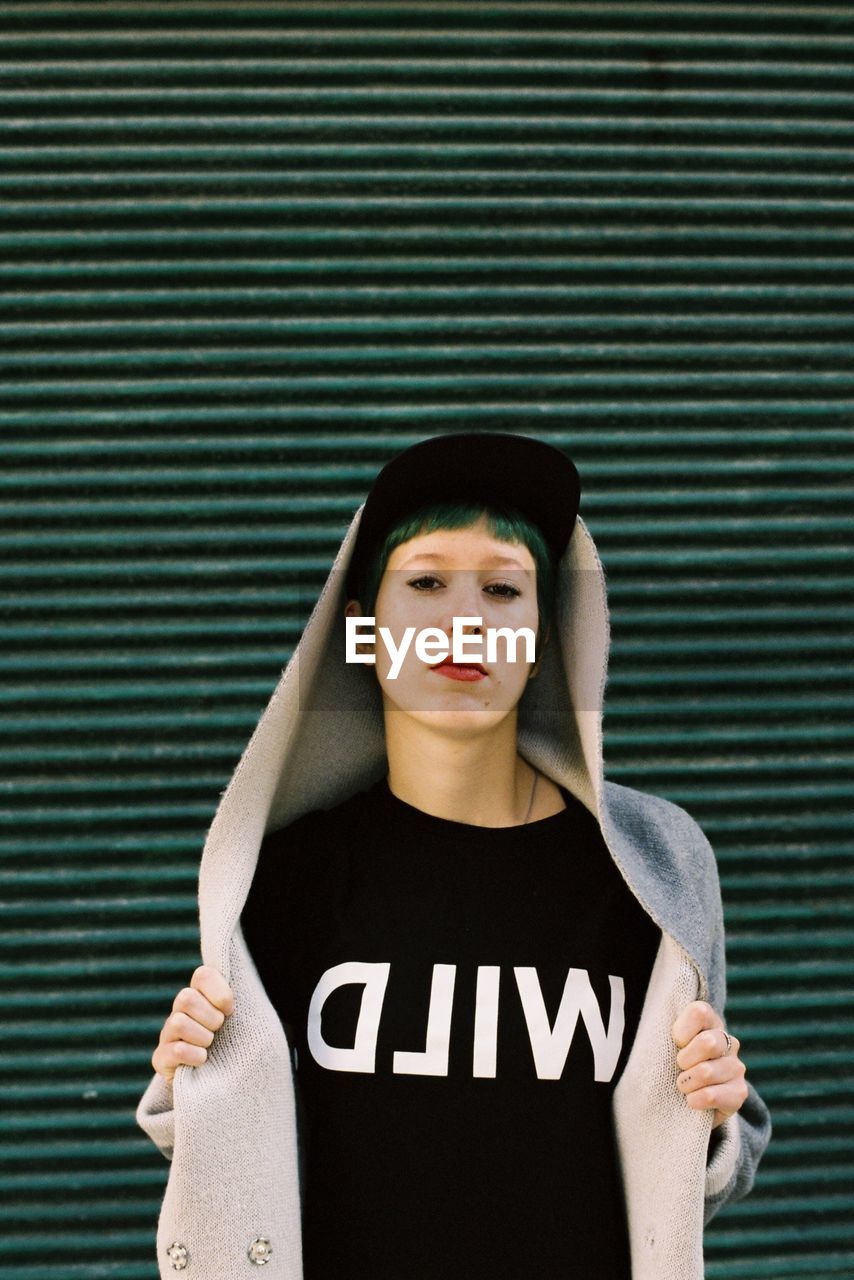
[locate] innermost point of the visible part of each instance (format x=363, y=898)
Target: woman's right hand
x=198, y=1011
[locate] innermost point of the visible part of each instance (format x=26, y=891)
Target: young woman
x=468, y=936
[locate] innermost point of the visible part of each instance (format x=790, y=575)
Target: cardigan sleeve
x=736, y=1146
x=731, y=1169
x=156, y=1116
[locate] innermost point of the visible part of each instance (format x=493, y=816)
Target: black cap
x=484, y=466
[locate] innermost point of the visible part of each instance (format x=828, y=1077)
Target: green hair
x=504, y=523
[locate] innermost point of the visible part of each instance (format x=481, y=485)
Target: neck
x=476, y=778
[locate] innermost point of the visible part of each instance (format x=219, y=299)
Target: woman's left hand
x=710, y=1077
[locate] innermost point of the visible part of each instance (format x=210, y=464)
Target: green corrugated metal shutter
x=248, y=252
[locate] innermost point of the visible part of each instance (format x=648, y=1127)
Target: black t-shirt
x=460, y=1002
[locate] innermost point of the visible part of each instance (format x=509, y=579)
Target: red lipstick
x=469, y=671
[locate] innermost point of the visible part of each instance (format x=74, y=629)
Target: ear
x=535, y=668
x=353, y=609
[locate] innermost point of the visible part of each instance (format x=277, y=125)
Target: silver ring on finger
x=728, y=1048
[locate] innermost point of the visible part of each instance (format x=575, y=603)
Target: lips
x=464, y=666
x=460, y=670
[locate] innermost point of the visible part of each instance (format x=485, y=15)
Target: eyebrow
x=492, y=560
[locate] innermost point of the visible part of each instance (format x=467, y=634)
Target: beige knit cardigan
x=228, y=1127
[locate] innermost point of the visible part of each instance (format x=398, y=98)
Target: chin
x=461, y=724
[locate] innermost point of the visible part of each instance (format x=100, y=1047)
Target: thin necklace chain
x=531, y=801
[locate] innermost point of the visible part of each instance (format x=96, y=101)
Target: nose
x=464, y=602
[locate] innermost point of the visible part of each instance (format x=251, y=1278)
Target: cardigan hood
x=321, y=738
x=229, y=1127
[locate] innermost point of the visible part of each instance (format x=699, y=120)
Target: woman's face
x=430, y=580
